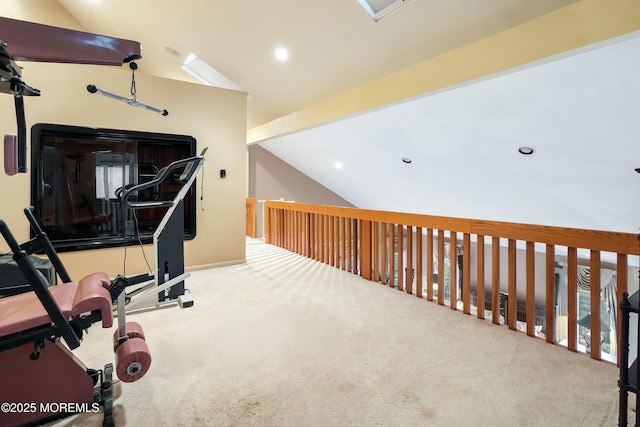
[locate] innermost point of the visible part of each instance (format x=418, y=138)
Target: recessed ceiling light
x=526, y=150
x=338, y=165
x=282, y=54
x=406, y=160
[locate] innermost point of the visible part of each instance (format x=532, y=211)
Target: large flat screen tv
x=78, y=173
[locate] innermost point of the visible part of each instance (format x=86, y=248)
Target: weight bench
x=40, y=378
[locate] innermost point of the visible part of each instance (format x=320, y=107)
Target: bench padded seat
x=24, y=311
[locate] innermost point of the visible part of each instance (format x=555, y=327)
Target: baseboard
x=216, y=264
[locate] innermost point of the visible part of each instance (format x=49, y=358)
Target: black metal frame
x=70, y=330
x=110, y=136
x=60, y=325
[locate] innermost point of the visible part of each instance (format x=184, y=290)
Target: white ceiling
x=334, y=45
x=580, y=112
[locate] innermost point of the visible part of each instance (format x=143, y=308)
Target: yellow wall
x=215, y=117
x=577, y=25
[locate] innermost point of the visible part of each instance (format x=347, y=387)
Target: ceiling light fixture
x=207, y=74
x=282, y=54
x=339, y=165
x=406, y=160
x=526, y=150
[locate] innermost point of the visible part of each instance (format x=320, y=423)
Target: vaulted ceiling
x=580, y=113
x=334, y=45
x=579, y=110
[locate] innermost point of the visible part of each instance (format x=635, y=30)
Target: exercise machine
x=165, y=285
x=23, y=41
x=41, y=378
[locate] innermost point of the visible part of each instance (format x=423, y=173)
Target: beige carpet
x=286, y=341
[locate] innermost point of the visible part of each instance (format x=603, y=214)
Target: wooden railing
x=377, y=244
x=251, y=217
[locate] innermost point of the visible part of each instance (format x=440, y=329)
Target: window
x=78, y=174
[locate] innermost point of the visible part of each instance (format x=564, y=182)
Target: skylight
x=378, y=9
x=207, y=74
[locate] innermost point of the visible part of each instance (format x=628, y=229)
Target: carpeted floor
x=285, y=341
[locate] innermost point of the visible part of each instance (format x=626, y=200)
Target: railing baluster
x=441, y=267
x=293, y=235
x=572, y=296
x=550, y=306
x=365, y=249
x=480, y=276
x=400, y=277
x=290, y=223
x=453, y=270
x=327, y=239
x=298, y=236
x=343, y=243
x=419, y=261
x=356, y=251
x=531, y=289
x=408, y=280
x=385, y=253
x=291, y=231
x=376, y=251
x=267, y=225
x=283, y=228
x=466, y=273
x=309, y=232
x=304, y=234
x=274, y=226
x=348, y=239
x=277, y=226
x=512, y=313
x=318, y=243
x=338, y=235
x=429, y=264
x=332, y=240
x=287, y=229
x=339, y=238
x=621, y=282
x=495, y=280
x=392, y=255
x=594, y=293
x=312, y=234
x=299, y=233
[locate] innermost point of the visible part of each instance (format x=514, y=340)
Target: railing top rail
x=608, y=241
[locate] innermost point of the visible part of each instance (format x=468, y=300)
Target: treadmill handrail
x=157, y=180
